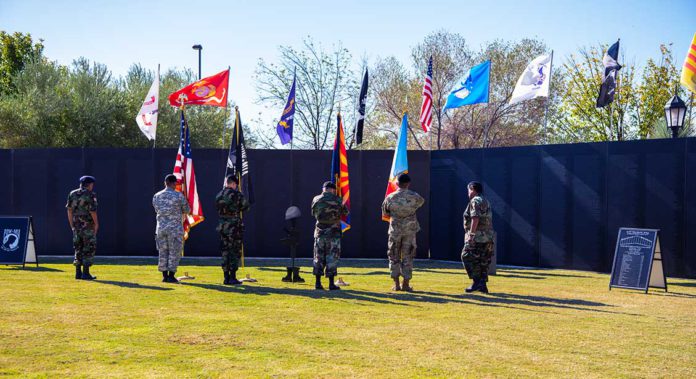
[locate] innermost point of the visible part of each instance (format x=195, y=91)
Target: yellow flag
x=688, y=75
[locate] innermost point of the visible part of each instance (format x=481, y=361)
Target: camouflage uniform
x=170, y=206
x=401, y=207
x=83, y=201
x=477, y=255
x=327, y=209
x=230, y=204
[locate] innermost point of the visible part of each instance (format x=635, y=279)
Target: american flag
x=426, y=114
x=186, y=178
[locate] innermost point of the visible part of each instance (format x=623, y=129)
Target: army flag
x=400, y=162
x=362, y=102
x=284, y=127
x=238, y=161
x=186, y=178
x=147, y=116
x=207, y=91
x=471, y=89
x=534, y=81
x=611, y=67
x=339, y=171
x=688, y=74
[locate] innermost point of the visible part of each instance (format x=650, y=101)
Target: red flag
x=207, y=91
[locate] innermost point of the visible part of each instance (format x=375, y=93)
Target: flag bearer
x=82, y=217
x=327, y=209
x=171, y=208
x=230, y=204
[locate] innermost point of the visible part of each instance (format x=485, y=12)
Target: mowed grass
x=534, y=323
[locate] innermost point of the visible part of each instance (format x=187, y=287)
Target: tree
x=16, y=50
x=657, y=86
x=325, y=81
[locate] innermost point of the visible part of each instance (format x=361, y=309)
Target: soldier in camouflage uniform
x=82, y=216
x=171, y=208
x=400, y=207
x=230, y=204
x=479, y=238
x=327, y=209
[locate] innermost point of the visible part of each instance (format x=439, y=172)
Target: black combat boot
x=288, y=278
x=296, y=278
x=473, y=287
x=332, y=286
x=227, y=278
x=78, y=271
x=171, y=277
x=233, y=278
x=86, y=275
x=318, y=285
x=165, y=276
x=482, y=286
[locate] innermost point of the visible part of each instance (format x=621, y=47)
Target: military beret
x=87, y=179
x=329, y=185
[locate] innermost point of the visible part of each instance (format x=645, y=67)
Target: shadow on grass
x=682, y=284
x=132, y=285
x=538, y=273
x=34, y=268
x=515, y=276
x=673, y=294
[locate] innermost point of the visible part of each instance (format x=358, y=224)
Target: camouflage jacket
x=82, y=201
x=170, y=206
x=401, y=207
x=481, y=208
x=327, y=209
x=230, y=204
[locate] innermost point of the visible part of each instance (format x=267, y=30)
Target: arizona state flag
x=339, y=172
x=688, y=74
x=207, y=91
x=400, y=161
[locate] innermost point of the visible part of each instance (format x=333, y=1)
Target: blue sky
x=237, y=33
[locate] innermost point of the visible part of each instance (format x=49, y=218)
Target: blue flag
x=471, y=89
x=284, y=127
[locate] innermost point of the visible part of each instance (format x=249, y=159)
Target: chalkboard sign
x=17, y=240
x=638, y=260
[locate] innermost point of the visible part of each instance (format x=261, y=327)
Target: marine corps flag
x=237, y=160
x=207, y=91
x=400, y=162
x=339, y=172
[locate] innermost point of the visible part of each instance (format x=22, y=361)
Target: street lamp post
x=675, y=112
x=199, y=48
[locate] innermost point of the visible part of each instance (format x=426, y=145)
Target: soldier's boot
x=473, y=287
x=288, y=278
x=482, y=286
x=397, y=285
x=86, y=275
x=171, y=277
x=406, y=287
x=233, y=278
x=227, y=278
x=296, y=278
x=78, y=272
x=165, y=276
x=317, y=284
x=332, y=286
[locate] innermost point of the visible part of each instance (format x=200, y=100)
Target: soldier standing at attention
x=327, y=209
x=478, y=238
x=401, y=207
x=171, y=208
x=82, y=216
x=230, y=204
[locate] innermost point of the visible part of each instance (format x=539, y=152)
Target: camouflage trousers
x=230, y=245
x=85, y=246
x=401, y=250
x=327, y=252
x=476, y=257
x=169, y=245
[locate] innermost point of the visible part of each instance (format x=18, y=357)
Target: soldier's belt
x=235, y=215
x=327, y=226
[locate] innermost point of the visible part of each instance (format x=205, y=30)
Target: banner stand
x=18, y=241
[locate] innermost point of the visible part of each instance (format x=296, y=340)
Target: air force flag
x=472, y=89
x=534, y=81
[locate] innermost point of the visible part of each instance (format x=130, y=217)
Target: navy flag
x=611, y=67
x=284, y=127
x=238, y=161
x=362, y=101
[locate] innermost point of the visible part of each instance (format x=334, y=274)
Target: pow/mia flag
x=237, y=160
x=611, y=67
x=361, y=111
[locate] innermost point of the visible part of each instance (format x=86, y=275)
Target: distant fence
x=36, y=182
x=562, y=205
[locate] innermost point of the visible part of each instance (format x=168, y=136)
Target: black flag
x=237, y=160
x=361, y=110
x=611, y=67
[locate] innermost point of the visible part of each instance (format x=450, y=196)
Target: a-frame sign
x=638, y=260
x=17, y=241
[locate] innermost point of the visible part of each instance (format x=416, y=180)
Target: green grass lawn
x=534, y=323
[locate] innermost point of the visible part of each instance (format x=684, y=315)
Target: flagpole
x=548, y=98
x=619, y=131
x=154, y=139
